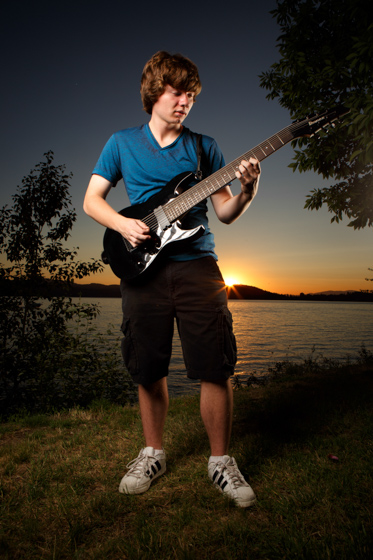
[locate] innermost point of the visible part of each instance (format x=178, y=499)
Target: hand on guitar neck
x=248, y=174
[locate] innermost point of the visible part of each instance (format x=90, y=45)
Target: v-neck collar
x=156, y=144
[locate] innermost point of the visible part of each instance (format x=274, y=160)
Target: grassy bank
x=60, y=475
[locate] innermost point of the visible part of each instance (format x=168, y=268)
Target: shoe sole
x=237, y=501
x=245, y=504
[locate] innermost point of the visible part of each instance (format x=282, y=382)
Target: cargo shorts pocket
x=128, y=348
x=227, y=340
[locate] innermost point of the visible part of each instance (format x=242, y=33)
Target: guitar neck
x=175, y=208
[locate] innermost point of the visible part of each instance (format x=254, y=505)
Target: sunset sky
x=71, y=75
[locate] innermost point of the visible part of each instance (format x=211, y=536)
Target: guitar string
x=222, y=178
x=226, y=174
x=184, y=201
x=175, y=204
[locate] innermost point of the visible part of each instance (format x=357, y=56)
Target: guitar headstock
x=314, y=123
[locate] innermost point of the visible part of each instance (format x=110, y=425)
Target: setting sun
x=231, y=280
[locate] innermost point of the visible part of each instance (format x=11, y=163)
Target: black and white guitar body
x=126, y=261
x=163, y=213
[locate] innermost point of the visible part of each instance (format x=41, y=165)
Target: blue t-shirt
x=135, y=156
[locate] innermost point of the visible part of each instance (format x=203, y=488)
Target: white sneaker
x=142, y=471
x=227, y=478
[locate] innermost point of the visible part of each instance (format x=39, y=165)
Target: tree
x=369, y=280
x=33, y=231
x=326, y=49
x=45, y=363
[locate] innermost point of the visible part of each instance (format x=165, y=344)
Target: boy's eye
x=177, y=93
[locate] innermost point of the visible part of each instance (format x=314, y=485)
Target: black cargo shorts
x=194, y=293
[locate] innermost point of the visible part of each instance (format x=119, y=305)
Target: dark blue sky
x=71, y=74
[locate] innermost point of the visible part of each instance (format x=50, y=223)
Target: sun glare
x=231, y=281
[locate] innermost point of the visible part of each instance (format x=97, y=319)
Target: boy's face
x=173, y=105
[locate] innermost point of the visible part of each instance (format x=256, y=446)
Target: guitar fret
x=265, y=148
x=251, y=154
x=209, y=186
x=186, y=200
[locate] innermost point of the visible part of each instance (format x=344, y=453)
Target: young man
x=184, y=283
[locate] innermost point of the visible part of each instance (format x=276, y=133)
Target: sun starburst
x=231, y=281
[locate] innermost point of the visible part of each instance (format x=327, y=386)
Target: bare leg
x=153, y=399
x=217, y=414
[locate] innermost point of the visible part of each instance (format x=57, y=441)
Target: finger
x=243, y=169
x=139, y=234
x=255, y=165
x=137, y=240
x=143, y=228
x=248, y=169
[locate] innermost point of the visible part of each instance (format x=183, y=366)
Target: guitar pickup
x=162, y=219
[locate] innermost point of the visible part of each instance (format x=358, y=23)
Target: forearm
x=97, y=208
x=228, y=207
x=232, y=208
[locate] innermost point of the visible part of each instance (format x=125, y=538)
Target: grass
x=59, y=478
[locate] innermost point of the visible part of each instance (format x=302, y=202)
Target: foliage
x=33, y=231
x=60, y=368
x=312, y=364
x=369, y=280
x=365, y=357
x=44, y=363
x=326, y=59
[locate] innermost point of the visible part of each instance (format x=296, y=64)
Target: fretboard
x=202, y=190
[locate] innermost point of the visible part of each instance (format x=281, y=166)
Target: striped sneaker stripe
x=221, y=481
x=154, y=469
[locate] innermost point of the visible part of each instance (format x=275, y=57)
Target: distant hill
x=334, y=293
x=96, y=290
x=234, y=292
x=338, y=295
x=238, y=291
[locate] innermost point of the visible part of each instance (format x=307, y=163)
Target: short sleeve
x=108, y=164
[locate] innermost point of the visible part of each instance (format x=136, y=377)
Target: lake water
x=272, y=331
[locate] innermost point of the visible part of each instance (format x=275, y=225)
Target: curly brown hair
x=167, y=69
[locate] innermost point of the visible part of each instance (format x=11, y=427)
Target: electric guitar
x=163, y=212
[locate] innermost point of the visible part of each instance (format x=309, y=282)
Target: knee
x=157, y=389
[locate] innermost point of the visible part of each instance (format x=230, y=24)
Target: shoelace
x=138, y=465
x=233, y=474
